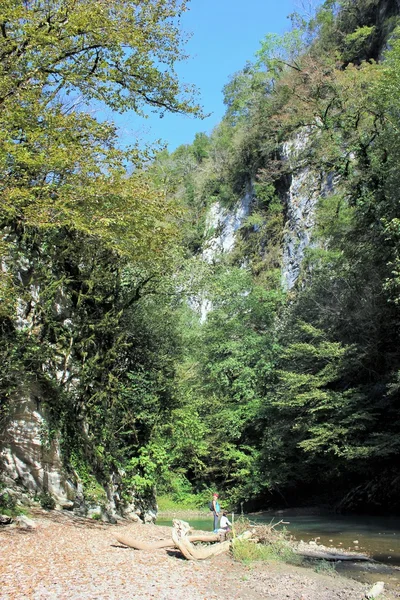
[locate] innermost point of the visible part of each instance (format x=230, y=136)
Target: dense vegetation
x=279, y=396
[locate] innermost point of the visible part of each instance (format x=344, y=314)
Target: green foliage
x=60, y=167
x=314, y=410
x=145, y=470
x=278, y=51
x=272, y=417
x=274, y=395
x=47, y=501
x=100, y=51
x=7, y=502
x=325, y=567
x=86, y=231
x=92, y=489
x=248, y=552
x=180, y=495
x=9, y=505
x=357, y=42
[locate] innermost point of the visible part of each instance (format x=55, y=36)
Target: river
x=379, y=537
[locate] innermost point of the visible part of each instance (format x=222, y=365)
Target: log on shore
x=181, y=540
x=132, y=542
x=191, y=552
x=333, y=555
x=184, y=542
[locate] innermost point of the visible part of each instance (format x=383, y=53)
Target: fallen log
x=132, y=542
x=191, y=552
x=333, y=555
x=184, y=542
x=126, y=540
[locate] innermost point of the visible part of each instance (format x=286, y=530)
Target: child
x=224, y=524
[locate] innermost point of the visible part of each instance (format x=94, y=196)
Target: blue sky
x=225, y=34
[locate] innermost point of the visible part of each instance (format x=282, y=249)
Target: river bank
x=67, y=557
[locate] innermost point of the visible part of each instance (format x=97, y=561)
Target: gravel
x=67, y=557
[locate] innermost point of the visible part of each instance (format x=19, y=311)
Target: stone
x=150, y=516
x=31, y=467
x=24, y=522
x=224, y=224
x=131, y=513
x=376, y=590
x=94, y=512
x=5, y=520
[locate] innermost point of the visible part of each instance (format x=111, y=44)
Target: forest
x=158, y=360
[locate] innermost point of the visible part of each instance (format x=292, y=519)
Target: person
x=224, y=524
x=215, y=509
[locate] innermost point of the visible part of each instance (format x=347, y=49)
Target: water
x=379, y=537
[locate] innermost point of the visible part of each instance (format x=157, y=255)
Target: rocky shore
x=66, y=557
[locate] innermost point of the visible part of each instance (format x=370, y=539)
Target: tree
x=121, y=53
x=86, y=234
x=60, y=167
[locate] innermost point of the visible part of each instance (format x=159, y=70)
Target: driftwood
x=184, y=542
x=131, y=542
x=182, y=528
x=332, y=555
x=192, y=552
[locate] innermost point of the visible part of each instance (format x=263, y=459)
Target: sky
x=225, y=35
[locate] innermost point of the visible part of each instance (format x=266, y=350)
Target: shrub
x=47, y=501
x=325, y=567
x=248, y=551
x=271, y=544
x=8, y=505
x=7, y=502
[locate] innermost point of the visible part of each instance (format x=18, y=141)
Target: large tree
x=84, y=233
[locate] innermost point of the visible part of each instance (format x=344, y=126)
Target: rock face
x=224, y=224
x=306, y=188
x=385, y=21
x=31, y=460
x=31, y=464
x=221, y=224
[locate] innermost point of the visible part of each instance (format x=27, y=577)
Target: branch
x=295, y=67
x=138, y=292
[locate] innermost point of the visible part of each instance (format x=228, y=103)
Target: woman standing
x=215, y=508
